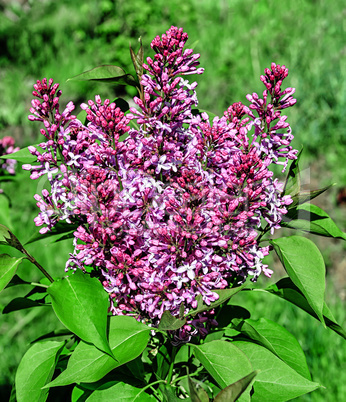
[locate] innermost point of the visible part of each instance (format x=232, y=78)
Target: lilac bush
x=175, y=209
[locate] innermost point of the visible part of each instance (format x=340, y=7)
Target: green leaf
x=305, y=266
x=122, y=104
x=80, y=394
x=276, y=381
x=81, y=304
x=229, y=312
x=224, y=362
x=120, y=392
x=8, y=267
x=127, y=337
x=22, y=156
x=61, y=231
x=292, y=183
x=35, y=370
x=286, y=289
x=278, y=340
x=106, y=73
x=197, y=394
x=54, y=334
x=22, y=303
x=170, y=323
x=138, y=59
x=224, y=295
x=307, y=195
x=7, y=238
x=16, y=280
x=312, y=219
x=233, y=391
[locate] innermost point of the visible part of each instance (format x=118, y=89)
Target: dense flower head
x=171, y=213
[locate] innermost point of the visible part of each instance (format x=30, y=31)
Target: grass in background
x=237, y=39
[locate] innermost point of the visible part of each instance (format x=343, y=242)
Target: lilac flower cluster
x=7, y=166
x=172, y=211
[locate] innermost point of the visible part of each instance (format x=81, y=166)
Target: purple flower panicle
x=173, y=212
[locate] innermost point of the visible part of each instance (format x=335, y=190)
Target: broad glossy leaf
x=279, y=341
x=81, y=304
x=224, y=361
x=120, y=392
x=287, y=290
x=54, y=334
x=276, y=381
x=170, y=323
x=80, y=394
x=35, y=370
x=22, y=156
x=107, y=73
x=197, y=394
x=224, y=295
x=312, y=219
x=235, y=390
x=127, y=337
x=60, y=231
x=305, y=266
x=8, y=268
x=22, y=303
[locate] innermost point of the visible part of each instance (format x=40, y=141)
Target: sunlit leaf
x=8, y=268
x=312, y=219
x=127, y=339
x=120, y=392
x=35, y=370
x=276, y=381
x=278, y=340
x=81, y=304
x=305, y=266
x=22, y=156
x=224, y=361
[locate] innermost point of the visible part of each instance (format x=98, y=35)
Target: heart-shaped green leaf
x=276, y=381
x=170, y=323
x=35, y=370
x=127, y=339
x=224, y=361
x=278, y=340
x=81, y=304
x=305, y=266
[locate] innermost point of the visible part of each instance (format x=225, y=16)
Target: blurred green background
x=237, y=39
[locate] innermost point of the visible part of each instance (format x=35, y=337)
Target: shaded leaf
x=8, y=268
x=122, y=104
x=170, y=323
x=307, y=195
x=16, y=280
x=293, y=183
x=233, y=391
x=35, y=370
x=106, y=73
x=305, y=266
x=224, y=361
x=276, y=381
x=224, y=295
x=138, y=59
x=22, y=303
x=81, y=304
x=5, y=210
x=278, y=340
x=61, y=231
x=312, y=219
x=54, y=334
x=287, y=290
x=9, y=239
x=197, y=394
x=127, y=338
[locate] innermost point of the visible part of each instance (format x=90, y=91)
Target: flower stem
x=170, y=372
x=39, y=266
